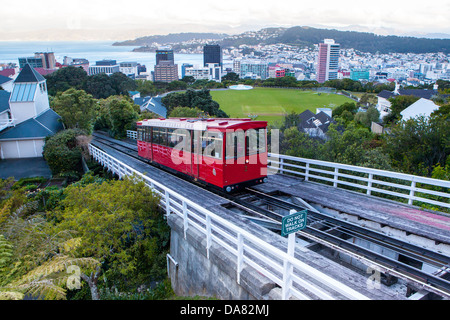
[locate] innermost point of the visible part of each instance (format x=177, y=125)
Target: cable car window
x=140, y=133
x=163, y=136
x=172, y=140
x=212, y=144
x=156, y=135
x=262, y=140
x=255, y=141
x=183, y=139
x=235, y=144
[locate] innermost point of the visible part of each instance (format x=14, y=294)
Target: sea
x=93, y=51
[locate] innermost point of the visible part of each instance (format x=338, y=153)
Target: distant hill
x=307, y=36
x=363, y=41
x=170, y=38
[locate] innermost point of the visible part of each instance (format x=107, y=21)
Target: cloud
x=159, y=17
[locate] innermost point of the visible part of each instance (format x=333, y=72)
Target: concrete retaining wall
x=215, y=276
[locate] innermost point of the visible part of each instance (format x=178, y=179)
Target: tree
x=76, y=108
x=99, y=86
x=65, y=78
x=398, y=104
x=185, y=112
x=119, y=224
x=63, y=153
x=351, y=107
x=366, y=118
x=35, y=258
x=416, y=146
x=118, y=114
x=230, y=76
x=145, y=87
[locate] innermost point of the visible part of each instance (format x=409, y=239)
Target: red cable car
x=226, y=153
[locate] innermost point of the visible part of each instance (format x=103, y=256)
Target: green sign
x=293, y=223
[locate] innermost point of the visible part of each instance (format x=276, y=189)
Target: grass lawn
x=271, y=104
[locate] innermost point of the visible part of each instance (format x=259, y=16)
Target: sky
x=121, y=20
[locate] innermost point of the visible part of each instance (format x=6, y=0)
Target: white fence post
x=208, y=235
x=240, y=256
x=185, y=218
x=336, y=177
x=369, y=184
x=411, y=192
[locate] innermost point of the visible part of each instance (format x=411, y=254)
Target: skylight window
x=23, y=92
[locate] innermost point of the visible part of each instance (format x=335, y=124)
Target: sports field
x=271, y=104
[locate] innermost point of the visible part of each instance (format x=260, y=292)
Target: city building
x=256, y=69
x=45, y=60
x=27, y=119
x=104, y=66
x=327, y=61
x=276, y=72
x=130, y=69
x=34, y=62
x=359, y=74
x=165, y=71
x=164, y=54
x=212, y=71
x=48, y=59
x=184, y=66
x=212, y=53
x=76, y=62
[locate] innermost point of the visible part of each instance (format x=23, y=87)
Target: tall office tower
x=164, y=54
x=327, y=61
x=212, y=53
x=48, y=59
x=165, y=69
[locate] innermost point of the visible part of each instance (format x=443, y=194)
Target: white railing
x=362, y=179
x=132, y=134
x=365, y=180
x=277, y=265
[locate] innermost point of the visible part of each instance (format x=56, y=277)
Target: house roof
x=4, y=100
x=39, y=127
x=422, y=107
x=4, y=79
x=420, y=93
x=320, y=120
x=155, y=105
x=29, y=74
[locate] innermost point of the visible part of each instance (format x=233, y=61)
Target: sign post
x=290, y=224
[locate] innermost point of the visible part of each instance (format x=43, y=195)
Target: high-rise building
x=48, y=59
x=44, y=60
x=164, y=54
x=327, y=61
x=165, y=69
x=212, y=53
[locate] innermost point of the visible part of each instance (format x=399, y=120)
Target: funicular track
x=269, y=209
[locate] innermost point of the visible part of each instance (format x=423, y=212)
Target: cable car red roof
x=203, y=124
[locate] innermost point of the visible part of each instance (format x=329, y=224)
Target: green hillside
x=271, y=104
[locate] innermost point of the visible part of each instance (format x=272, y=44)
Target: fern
x=49, y=279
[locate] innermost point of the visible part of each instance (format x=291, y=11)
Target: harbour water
x=93, y=51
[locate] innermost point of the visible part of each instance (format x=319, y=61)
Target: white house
x=30, y=119
x=422, y=107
